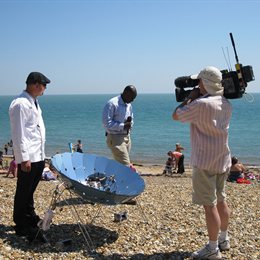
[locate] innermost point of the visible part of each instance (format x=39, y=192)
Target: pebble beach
x=164, y=224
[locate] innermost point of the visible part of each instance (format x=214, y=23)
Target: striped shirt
x=209, y=118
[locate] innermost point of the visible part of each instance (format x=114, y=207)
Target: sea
x=72, y=117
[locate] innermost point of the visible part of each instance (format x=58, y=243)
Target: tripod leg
x=96, y=214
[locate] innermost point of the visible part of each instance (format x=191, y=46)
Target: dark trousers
x=27, y=182
x=181, y=165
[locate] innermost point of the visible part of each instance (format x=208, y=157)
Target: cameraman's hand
x=194, y=94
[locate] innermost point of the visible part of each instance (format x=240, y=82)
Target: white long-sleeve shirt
x=27, y=129
x=115, y=113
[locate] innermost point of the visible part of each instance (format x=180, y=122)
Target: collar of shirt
x=32, y=100
x=121, y=101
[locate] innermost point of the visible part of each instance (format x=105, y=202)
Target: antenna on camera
x=234, y=47
x=227, y=59
x=238, y=66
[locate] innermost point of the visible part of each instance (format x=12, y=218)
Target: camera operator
x=209, y=113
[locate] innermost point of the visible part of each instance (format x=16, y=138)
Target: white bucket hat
x=211, y=78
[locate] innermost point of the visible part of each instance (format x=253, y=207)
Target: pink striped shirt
x=209, y=118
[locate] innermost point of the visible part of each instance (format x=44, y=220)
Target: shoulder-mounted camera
x=234, y=82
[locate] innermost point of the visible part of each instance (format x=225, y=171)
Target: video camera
x=234, y=82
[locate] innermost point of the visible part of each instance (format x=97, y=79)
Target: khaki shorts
x=208, y=187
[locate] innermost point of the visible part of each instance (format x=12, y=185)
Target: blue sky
x=87, y=47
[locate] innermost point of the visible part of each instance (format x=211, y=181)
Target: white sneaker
x=224, y=245
x=207, y=253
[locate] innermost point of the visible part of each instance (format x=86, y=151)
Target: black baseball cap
x=37, y=77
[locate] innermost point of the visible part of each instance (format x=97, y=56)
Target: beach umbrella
x=98, y=179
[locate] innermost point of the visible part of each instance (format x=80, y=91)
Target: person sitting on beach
x=12, y=168
x=168, y=166
x=237, y=170
x=48, y=174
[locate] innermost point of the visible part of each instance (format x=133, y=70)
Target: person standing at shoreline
x=118, y=121
x=28, y=135
x=79, y=146
x=179, y=149
x=209, y=114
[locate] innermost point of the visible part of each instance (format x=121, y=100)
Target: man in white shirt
x=28, y=135
x=118, y=121
x=209, y=113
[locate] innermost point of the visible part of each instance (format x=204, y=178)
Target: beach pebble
x=174, y=230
